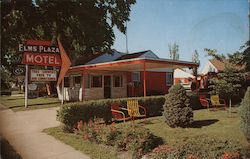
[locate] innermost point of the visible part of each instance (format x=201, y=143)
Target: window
x=96, y=81
x=169, y=78
x=66, y=81
x=77, y=81
x=136, y=76
x=117, y=80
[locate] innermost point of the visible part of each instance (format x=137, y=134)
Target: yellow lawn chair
x=217, y=102
x=133, y=109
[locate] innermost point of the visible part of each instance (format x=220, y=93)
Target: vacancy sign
x=42, y=75
x=41, y=53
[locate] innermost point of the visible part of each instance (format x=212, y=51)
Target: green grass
x=218, y=124
x=16, y=102
x=215, y=124
x=76, y=141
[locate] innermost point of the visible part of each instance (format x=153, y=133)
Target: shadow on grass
x=148, y=122
x=37, y=104
x=15, y=98
x=201, y=123
x=7, y=151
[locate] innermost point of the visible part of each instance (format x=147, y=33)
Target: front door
x=107, y=86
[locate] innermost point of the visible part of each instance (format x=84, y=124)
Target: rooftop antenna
x=126, y=37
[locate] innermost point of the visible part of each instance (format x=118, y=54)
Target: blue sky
x=192, y=24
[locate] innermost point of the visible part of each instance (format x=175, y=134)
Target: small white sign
x=32, y=86
x=42, y=75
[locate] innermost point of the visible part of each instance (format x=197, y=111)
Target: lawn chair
x=133, y=108
x=216, y=101
x=205, y=102
x=117, y=114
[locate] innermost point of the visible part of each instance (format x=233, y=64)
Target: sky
x=192, y=24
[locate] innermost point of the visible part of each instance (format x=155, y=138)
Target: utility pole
x=126, y=34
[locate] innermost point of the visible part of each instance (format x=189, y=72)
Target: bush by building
x=71, y=113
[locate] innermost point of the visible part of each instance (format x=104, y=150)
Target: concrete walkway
x=23, y=130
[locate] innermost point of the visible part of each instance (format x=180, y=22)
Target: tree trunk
x=230, y=106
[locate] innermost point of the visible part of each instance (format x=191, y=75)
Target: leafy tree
x=85, y=26
x=214, y=54
x=228, y=83
x=246, y=55
x=177, y=112
x=236, y=58
x=173, y=51
x=195, y=58
x=245, y=114
x=5, y=78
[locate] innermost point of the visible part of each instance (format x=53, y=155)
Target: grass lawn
x=94, y=150
x=215, y=124
x=16, y=102
x=218, y=124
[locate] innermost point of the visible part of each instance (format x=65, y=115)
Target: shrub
x=201, y=147
x=245, y=114
x=177, y=112
x=138, y=140
x=134, y=138
x=71, y=113
x=195, y=101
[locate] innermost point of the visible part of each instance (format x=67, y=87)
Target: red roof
x=220, y=66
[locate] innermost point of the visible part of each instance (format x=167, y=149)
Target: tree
x=241, y=58
x=85, y=27
x=173, y=51
x=177, y=112
x=195, y=58
x=245, y=114
x=246, y=55
x=5, y=78
x=227, y=84
x=215, y=55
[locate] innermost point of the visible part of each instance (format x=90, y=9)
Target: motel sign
x=41, y=59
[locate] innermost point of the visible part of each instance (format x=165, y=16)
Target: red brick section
x=155, y=81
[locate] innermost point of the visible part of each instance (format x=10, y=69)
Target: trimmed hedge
x=71, y=113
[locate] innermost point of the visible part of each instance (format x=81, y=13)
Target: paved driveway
x=23, y=130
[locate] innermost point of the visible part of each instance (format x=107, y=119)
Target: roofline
x=137, y=60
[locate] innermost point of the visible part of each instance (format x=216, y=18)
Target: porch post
x=83, y=85
x=144, y=79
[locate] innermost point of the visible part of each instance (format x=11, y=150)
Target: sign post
x=26, y=85
x=62, y=101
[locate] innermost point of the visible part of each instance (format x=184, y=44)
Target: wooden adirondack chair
x=117, y=114
x=133, y=108
x=217, y=102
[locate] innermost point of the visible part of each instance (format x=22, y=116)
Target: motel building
x=119, y=75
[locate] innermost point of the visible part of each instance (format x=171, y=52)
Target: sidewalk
x=23, y=130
